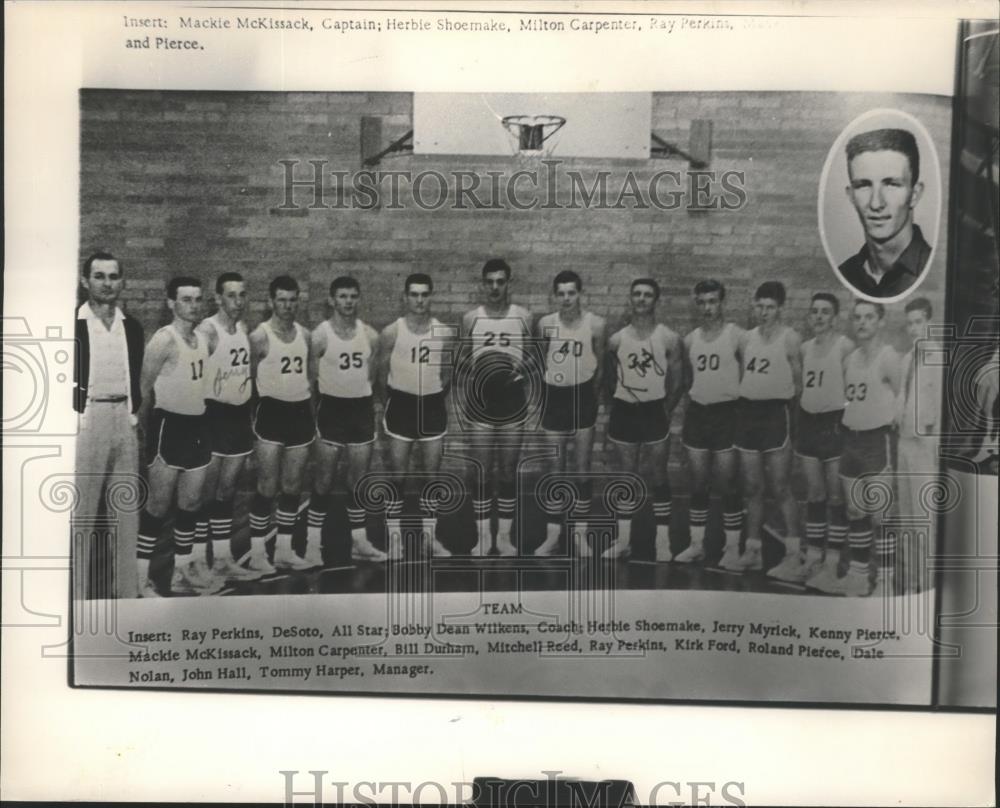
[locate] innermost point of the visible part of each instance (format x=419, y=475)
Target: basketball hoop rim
x=532, y=120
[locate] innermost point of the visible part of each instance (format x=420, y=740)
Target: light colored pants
x=917, y=469
x=107, y=460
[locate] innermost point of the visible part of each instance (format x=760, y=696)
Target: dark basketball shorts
x=289, y=423
x=346, y=421
x=866, y=451
x=763, y=425
x=411, y=417
x=180, y=441
x=819, y=434
x=638, y=422
x=229, y=428
x=495, y=397
x=710, y=427
x=567, y=409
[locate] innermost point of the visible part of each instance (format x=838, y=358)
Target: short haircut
x=344, y=282
x=708, y=286
x=828, y=297
x=181, y=280
x=646, y=282
x=920, y=304
x=567, y=276
x=497, y=265
x=283, y=283
x=419, y=278
x=772, y=290
x=879, y=308
x=227, y=277
x=100, y=256
x=897, y=140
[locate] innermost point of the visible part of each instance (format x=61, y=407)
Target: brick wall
x=189, y=182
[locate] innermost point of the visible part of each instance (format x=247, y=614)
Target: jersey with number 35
x=343, y=368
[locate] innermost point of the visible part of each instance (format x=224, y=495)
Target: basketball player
x=493, y=368
x=646, y=356
x=871, y=382
x=918, y=419
x=227, y=411
x=173, y=375
x=345, y=357
x=415, y=353
x=573, y=343
x=712, y=378
x=772, y=374
x=818, y=445
x=284, y=425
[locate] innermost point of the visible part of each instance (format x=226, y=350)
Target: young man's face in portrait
x=883, y=193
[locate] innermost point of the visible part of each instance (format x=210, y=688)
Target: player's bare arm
x=675, y=373
x=613, y=372
x=793, y=350
x=450, y=348
x=161, y=354
x=374, y=363
x=386, y=343
x=258, y=349
x=891, y=370
x=208, y=333
x=599, y=341
x=687, y=369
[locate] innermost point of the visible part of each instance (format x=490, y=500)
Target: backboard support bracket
x=372, y=151
x=699, y=150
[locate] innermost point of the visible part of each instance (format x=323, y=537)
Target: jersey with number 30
x=284, y=372
x=715, y=366
x=343, y=368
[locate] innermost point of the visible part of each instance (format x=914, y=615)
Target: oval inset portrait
x=880, y=204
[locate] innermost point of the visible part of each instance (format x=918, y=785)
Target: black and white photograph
x=664, y=390
x=884, y=169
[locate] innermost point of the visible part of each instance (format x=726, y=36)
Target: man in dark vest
x=106, y=394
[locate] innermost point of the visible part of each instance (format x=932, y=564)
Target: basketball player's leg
x=753, y=483
x=777, y=470
x=359, y=458
x=190, y=564
x=699, y=466
x=221, y=477
x=481, y=454
x=583, y=449
x=293, y=465
x=325, y=458
x=556, y=462
x=659, y=458
x=432, y=453
x=268, y=458
x=162, y=485
x=625, y=458
x=400, y=451
x=509, y=451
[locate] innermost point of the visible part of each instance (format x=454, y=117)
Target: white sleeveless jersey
x=228, y=375
x=870, y=400
x=570, y=359
x=767, y=374
x=181, y=389
x=715, y=365
x=823, y=377
x=416, y=359
x=642, y=364
x=500, y=335
x=284, y=372
x=343, y=368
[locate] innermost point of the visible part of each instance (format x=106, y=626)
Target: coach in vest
x=106, y=394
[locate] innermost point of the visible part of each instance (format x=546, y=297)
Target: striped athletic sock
x=732, y=519
x=355, y=513
x=584, y=495
x=319, y=506
x=698, y=518
x=200, y=534
x=288, y=508
x=885, y=551
x=260, y=521
x=506, y=503
x=662, y=504
x=859, y=538
x=184, y=527
x=220, y=521
x=150, y=528
x=816, y=524
x=836, y=534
